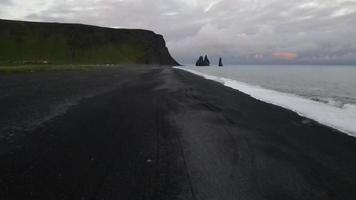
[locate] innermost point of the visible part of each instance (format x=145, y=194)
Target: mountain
x=56, y=43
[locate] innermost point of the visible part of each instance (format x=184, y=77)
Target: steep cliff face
x=54, y=43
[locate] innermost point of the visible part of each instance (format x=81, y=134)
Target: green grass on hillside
x=52, y=68
x=27, y=43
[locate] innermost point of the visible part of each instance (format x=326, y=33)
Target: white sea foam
x=342, y=118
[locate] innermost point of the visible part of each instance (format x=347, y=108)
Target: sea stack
x=206, y=61
x=200, y=61
x=203, y=61
x=220, y=63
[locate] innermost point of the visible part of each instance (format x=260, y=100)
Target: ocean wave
x=328, y=100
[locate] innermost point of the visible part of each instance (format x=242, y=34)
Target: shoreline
x=300, y=105
x=163, y=133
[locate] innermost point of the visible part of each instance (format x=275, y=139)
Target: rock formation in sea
x=206, y=61
x=203, y=61
x=200, y=61
x=220, y=62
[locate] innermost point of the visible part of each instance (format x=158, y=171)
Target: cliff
x=55, y=43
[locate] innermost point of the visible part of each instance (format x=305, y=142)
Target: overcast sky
x=240, y=31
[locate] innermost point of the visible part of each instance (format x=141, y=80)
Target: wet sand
x=161, y=133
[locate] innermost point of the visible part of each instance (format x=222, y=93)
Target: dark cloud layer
x=5, y=2
x=241, y=31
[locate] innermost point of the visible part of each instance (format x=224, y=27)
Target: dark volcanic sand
x=160, y=133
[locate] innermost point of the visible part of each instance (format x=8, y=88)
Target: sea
x=326, y=94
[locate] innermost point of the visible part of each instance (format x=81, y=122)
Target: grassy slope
x=50, y=68
x=27, y=42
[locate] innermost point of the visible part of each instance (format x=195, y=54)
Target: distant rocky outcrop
x=200, y=61
x=203, y=61
x=56, y=43
x=206, y=61
x=220, y=62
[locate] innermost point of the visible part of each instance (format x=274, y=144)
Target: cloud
x=211, y=5
x=285, y=55
x=316, y=31
x=5, y=2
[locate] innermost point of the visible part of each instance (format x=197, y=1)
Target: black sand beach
x=155, y=133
